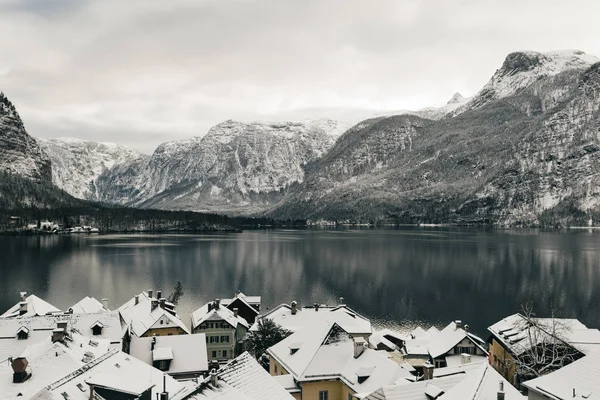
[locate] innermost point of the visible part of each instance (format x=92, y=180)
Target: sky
x=142, y=72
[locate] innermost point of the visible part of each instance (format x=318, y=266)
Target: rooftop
x=348, y=319
x=214, y=314
x=141, y=317
x=35, y=306
x=87, y=305
x=188, y=352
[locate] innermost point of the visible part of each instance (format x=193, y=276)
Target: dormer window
x=364, y=373
x=97, y=328
x=294, y=347
x=23, y=333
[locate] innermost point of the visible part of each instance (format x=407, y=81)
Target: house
x=388, y=340
x=223, y=328
x=326, y=362
x=240, y=379
x=16, y=334
x=578, y=380
x=475, y=381
x=149, y=316
x=181, y=356
x=89, y=305
x=517, y=337
x=29, y=306
x=294, y=318
x=248, y=306
x=449, y=345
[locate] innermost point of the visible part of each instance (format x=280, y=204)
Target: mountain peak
x=457, y=98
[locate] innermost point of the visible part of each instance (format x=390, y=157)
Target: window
x=214, y=354
x=350, y=397
x=161, y=322
x=96, y=330
x=465, y=350
x=206, y=339
x=324, y=395
x=224, y=353
x=224, y=339
x=275, y=369
x=22, y=335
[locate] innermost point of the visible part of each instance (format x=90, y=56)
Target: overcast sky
x=143, y=72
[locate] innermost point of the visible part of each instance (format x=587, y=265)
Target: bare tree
x=542, y=345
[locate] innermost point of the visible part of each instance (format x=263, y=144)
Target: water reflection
x=430, y=275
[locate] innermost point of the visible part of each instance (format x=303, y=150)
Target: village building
x=327, y=363
x=180, y=356
x=29, y=306
x=293, y=318
x=224, y=330
x=89, y=305
x=454, y=342
x=248, y=306
x=16, y=334
x=515, y=337
x=147, y=315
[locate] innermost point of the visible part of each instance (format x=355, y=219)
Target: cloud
x=142, y=72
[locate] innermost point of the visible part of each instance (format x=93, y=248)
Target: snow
x=87, y=305
x=35, y=306
x=188, y=352
x=142, y=318
x=203, y=314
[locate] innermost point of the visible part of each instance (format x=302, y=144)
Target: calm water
x=393, y=276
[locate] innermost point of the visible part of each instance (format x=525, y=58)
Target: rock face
x=77, y=164
x=20, y=154
x=236, y=167
x=524, y=150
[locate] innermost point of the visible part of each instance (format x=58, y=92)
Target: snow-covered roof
x=141, y=317
x=163, y=353
x=327, y=352
x=250, y=300
x=517, y=334
x=247, y=376
x=384, y=336
x=216, y=314
x=114, y=369
x=449, y=337
x=288, y=383
x=188, y=352
x=581, y=377
x=415, y=390
x=87, y=305
x=35, y=306
x=40, y=328
x=49, y=362
x=348, y=319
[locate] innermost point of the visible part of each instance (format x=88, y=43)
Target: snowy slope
x=77, y=164
x=521, y=69
x=235, y=166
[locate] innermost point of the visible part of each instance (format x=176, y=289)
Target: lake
x=394, y=276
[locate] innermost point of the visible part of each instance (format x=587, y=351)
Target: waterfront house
x=181, y=356
x=248, y=306
x=89, y=305
x=293, y=318
x=515, y=338
x=326, y=362
x=224, y=329
x=452, y=343
x=29, y=306
x=147, y=315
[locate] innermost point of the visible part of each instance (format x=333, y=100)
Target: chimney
x=458, y=323
x=427, y=371
x=19, y=366
x=316, y=306
x=217, y=303
x=153, y=342
x=210, y=307
x=23, y=296
x=137, y=299
x=150, y=293
x=23, y=307
x=501, y=391
x=58, y=335
x=359, y=346
x=294, y=307
x=161, y=302
x=105, y=303
x=342, y=301
x=164, y=395
x=153, y=304
x=213, y=378
x=158, y=294
x=465, y=358
x=235, y=312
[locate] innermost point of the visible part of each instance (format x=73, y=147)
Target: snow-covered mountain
x=434, y=113
x=20, y=154
x=523, y=68
x=77, y=164
x=235, y=167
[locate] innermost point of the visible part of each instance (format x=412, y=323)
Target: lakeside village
x=235, y=350
x=17, y=224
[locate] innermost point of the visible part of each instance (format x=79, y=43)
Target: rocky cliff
x=20, y=154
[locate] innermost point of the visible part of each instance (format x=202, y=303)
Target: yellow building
x=152, y=316
x=327, y=363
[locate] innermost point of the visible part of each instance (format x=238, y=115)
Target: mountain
x=236, y=167
x=524, y=150
x=20, y=154
x=77, y=164
x=521, y=69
